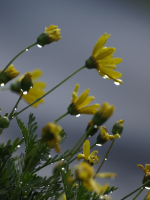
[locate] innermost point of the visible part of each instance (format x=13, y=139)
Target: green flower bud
x=118, y=127
x=15, y=87
x=26, y=82
x=4, y=122
x=72, y=109
x=91, y=129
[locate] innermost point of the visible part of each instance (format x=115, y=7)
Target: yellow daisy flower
x=9, y=74
x=35, y=92
x=91, y=158
x=78, y=104
x=51, y=135
x=147, y=173
x=148, y=195
x=85, y=173
x=104, y=136
x=51, y=34
x=102, y=60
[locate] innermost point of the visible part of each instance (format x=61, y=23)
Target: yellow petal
x=100, y=43
x=92, y=109
x=106, y=175
x=74, y=97
x=80, y=156
x=112, y=74
x=82, y=97
x=103, y=53
x=111, y=61
x=36, y=74
x=76, y=88
x=39, y=85
x=86, y=149
x=87, y=101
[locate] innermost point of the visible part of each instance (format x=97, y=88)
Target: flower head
x=118, y=127
x=51, y=135
x=103, y=114
x=146, y=173
x=35, y=92
x=90, y=158
x=78, y=104
x=85, y=173
x=9, y=74
x=104, y=136
x=51, y=34
x=102, y=60
x=26, y=83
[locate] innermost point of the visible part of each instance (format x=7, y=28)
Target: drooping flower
x=104, y=136
x=105, y=111
x=35, y=92
x=146, y=173
x=78, y=104
x=102, y=60
x=51, y=34
x=85, y=172
x=9, y=74
x=51, y=135
x=90, y=158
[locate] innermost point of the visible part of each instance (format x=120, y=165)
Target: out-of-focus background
x=81, y=24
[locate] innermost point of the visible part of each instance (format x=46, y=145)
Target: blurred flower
x=85, y=173
x=148, y=196
x=51, y=135
x=103, y=114
x=9, y=74
x=35, y=92
x=147, y=173
x=51, y=34
x=78, y=104
x=101, y=59
x=91, y=158
x=104, y=136
x=63, y=197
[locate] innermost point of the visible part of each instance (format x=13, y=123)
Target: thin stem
x=10, y=116
x=61, y=117
x=105, y=157
x=93, y=145
x=136, y=190
x=49, y=91
x=138, y=193
x=16, y=57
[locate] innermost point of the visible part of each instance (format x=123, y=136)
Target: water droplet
x=20, y=182
x=62, y=159
x=51, y=163
x=2, y=84
x=40, y=159
x=148, y=188
x=38, y=45
x=89, y=136
x=18, y=146
x=27, y=49
x=49, y=156
x=31, y=87
x=141, y=188
x=116, y=83
x=105, y=76
x=48, y=185
x=95, y=126
x=99, y=71
x=111, y=192
x=78, y=115
x=105, y=158
x=15, y=108
x=63, y=168
x=25, y=92
x=98, y=145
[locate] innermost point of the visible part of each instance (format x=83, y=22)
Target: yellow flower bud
x=103, y=114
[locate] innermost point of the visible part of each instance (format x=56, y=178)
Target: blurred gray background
x=81, y=24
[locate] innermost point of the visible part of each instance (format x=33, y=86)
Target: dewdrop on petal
x=51, y=34
x=26, y=83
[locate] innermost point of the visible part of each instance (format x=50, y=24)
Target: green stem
x=11, y=114
x=138, y=194
x=17, y=57
x=105, y=157
x=136, y=190
x=49, y=91
x=93, y=145
x=61, y=117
